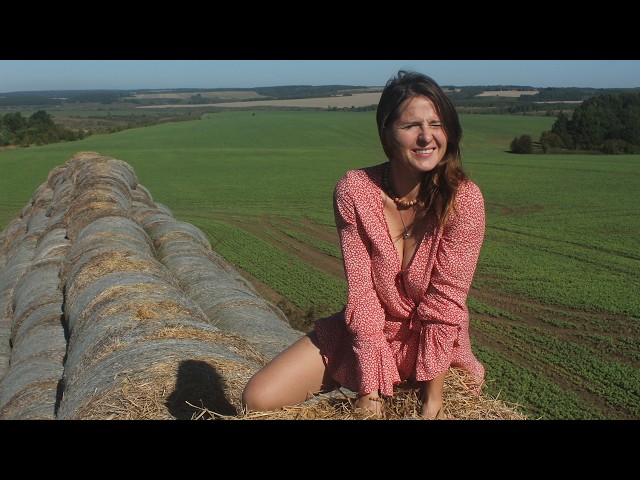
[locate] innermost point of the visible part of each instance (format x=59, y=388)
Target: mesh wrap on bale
x=37, y=287
x=5, y=344
x=53, y=244
x=45, y=314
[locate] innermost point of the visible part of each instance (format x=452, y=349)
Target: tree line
x=38, y=129
x=608, y=124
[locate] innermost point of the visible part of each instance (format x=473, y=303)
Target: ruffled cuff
x=376, y=366
x=435, y=350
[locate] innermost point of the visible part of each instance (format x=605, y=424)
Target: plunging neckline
x=399, y=255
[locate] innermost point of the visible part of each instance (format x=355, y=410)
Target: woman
x=411, y=230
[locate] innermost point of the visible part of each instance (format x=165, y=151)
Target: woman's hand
x=371, y=402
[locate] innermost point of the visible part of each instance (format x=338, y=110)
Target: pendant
x=406, y=235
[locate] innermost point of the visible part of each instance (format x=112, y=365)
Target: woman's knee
x=251, y=397
x=287, y=380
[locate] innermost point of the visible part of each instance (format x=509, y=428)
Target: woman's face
x=421, y=139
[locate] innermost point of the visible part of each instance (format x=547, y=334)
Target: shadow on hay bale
x=110, y=308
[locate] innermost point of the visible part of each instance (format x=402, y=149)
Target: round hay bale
x=36, y=401
x=78, y=302
x=62, y=197
x=82, y=252
x=46, y=314
x=190, y=252
x=99, y=192
x=24, y=311
x=42, y=196
x=56, y=176
x=99, y=264
x=159, y=379
x=17, y=263
x=11, y=235
x=256, y=322
x=163, y=232
x=163, y=208
x=148, y=216
x=142, y=195
x=47, y=340
x=52, y=245
x=78, y=217
x=117, y=226
x=23, y=250
x=107, y=180
x=25, y=213
x=37, y=286
x=5, y=344
x=23, y=375
x=91, y=341
x=38, y=220
x=96, y=165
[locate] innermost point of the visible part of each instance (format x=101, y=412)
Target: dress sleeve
x=364, y=314
x=443, y=309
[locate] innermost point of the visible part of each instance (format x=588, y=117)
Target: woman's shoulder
x=469, y=196
x=468, y=189
x=361, y=178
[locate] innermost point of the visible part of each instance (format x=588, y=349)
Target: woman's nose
x=425, y=134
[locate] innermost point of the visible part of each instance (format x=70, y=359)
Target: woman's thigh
x=292, y=377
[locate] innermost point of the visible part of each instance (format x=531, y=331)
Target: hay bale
x=53, y=244
x=85, y=164
x=5, y=344
x=78, y=303
x=45, y=339
x=229, y=303
x=28, y=374
x=38, y=286
x=45, y=314
x=164, y=232
x=11, y=235
x=15, y=266
x=158, y=379
x=117, y=226
x=79, y=216
x=141, y=196
x=36, y=401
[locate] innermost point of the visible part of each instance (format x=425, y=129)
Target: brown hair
x=439, y=187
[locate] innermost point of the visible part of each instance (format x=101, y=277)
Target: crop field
x=555, y=310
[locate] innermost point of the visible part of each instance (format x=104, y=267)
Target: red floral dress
x=397, y=325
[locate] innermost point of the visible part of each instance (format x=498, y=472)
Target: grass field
x=555, y=310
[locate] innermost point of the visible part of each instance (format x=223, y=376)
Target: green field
x=555, y=310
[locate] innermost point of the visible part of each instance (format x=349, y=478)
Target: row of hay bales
x=110, y=308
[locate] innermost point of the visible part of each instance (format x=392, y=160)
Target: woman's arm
x=443, y=308
x=364, y=314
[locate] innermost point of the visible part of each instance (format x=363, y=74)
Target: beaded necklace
x=401, y=203
x=392, y=194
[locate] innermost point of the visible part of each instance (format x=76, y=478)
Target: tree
x=523, y=144
x=606, y=123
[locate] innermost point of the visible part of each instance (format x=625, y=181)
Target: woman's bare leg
x=432, y=407
x=290, y=378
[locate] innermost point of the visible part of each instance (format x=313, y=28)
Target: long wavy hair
x=439, y=186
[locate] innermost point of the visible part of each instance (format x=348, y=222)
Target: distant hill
x=462, y=95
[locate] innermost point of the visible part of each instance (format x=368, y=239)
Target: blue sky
x=27, y=75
